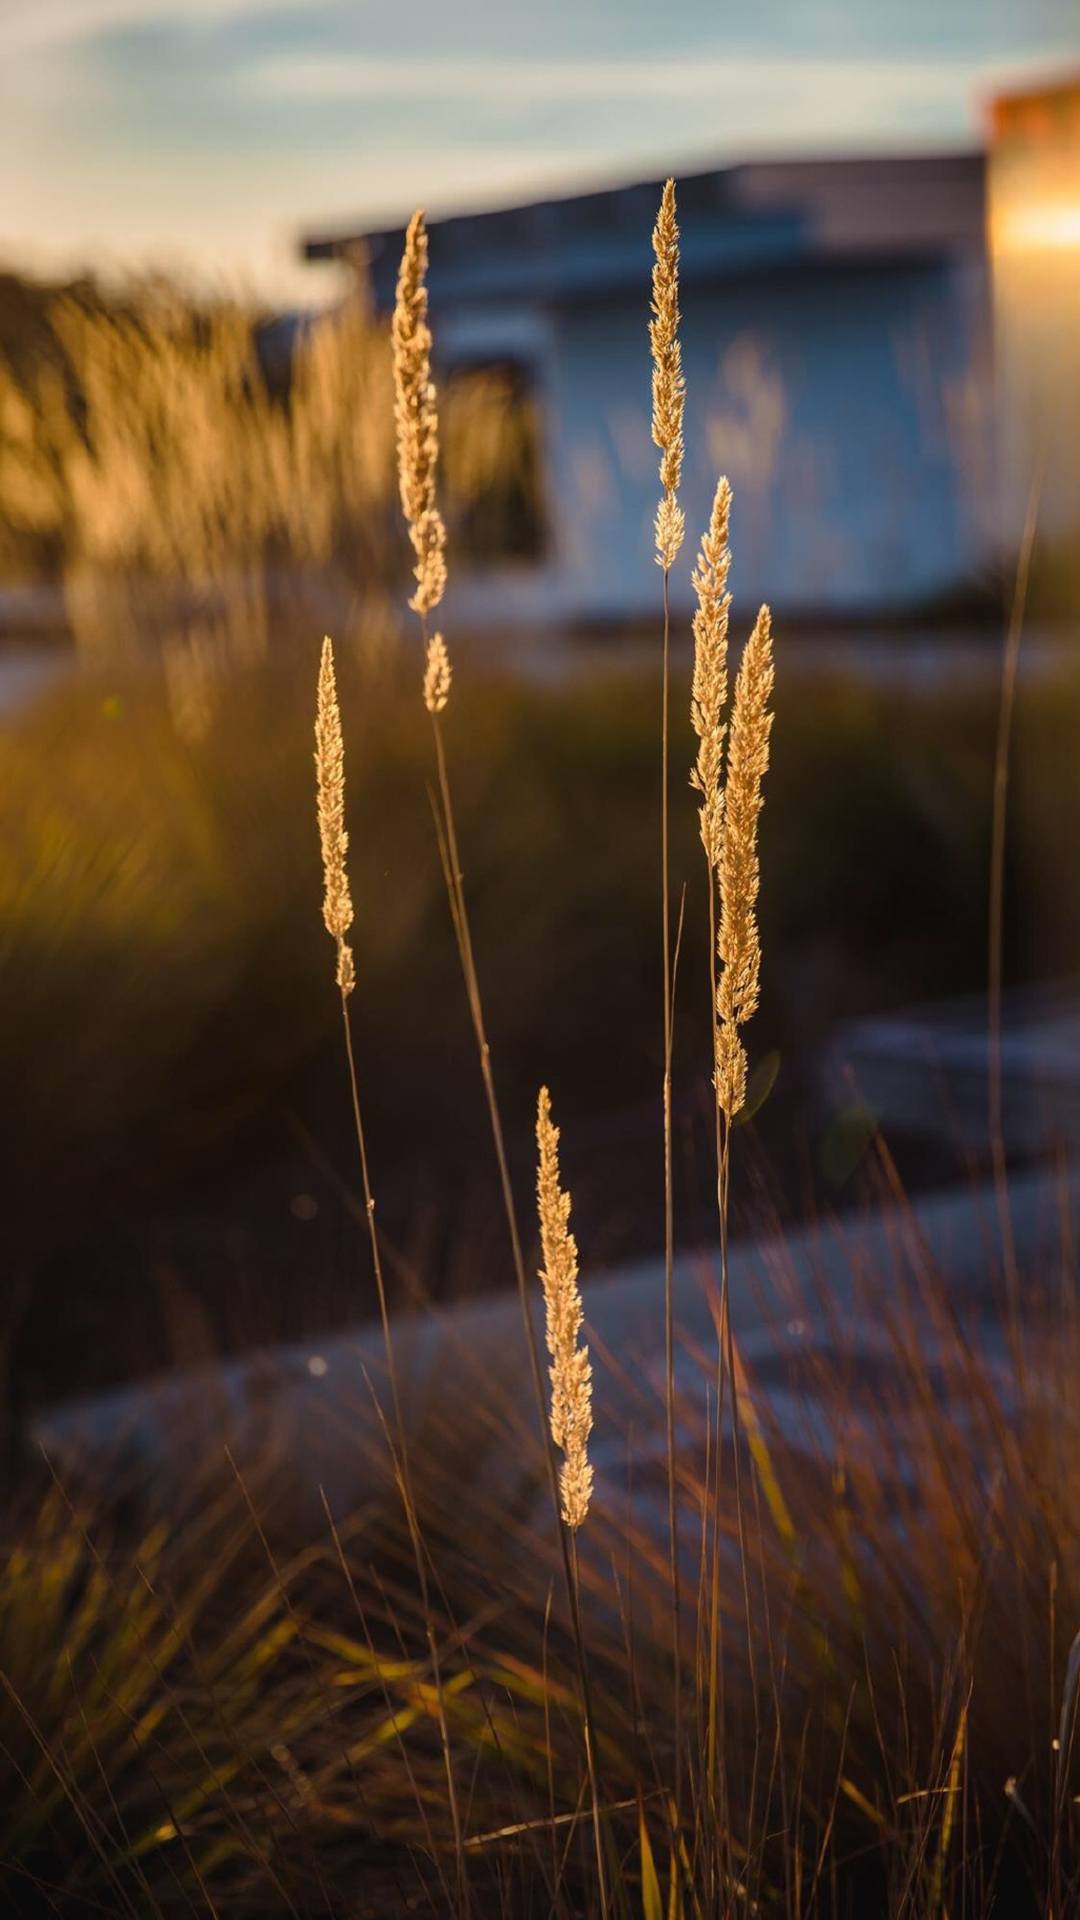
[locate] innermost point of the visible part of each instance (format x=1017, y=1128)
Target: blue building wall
x=838, y=402
x=835, y=329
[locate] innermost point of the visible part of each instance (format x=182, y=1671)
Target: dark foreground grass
x=217, y=1695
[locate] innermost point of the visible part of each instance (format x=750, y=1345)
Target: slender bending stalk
x=575, y=1500
x=417, y=422
x=571, y=1397
x=739, y=953
x=995, y=1109
x=668, y=395
x=416, y=417
x=708, y=702
x=338, y=916
x=728, y=825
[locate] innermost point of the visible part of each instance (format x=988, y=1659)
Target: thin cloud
x=31, y=25
x=694, y=78
x=144, y=161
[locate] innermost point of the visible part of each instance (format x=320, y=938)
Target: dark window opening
x=492, y=466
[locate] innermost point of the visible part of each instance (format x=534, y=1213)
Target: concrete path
x=826, y=1290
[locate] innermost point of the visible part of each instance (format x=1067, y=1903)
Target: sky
x=205, y=136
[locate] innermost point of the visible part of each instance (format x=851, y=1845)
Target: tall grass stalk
x=416, y=414
x=727, y=775
x=708, y=711
x=337, y=916
x=668, y=398
x=571, y=1400
x=1010, y=667
x=739, y=951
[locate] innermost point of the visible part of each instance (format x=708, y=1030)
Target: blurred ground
x=180, y=1177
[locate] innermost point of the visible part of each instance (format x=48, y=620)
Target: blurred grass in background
x=176, y=1032
x=185, y=470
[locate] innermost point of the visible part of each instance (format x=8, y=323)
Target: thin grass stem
x=1010, y=666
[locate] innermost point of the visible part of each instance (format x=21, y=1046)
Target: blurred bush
x=182, y=466
x=168, y=979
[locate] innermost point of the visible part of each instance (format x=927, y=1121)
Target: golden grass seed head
x=333, y=836
x=411, y=339
x=668, y=387
x=708, y=696
x=346, y=968
x=437, y=675
x=429, y=545
x=670, y=528
x=417, y=420
x=738, y=940
x=571, y=1372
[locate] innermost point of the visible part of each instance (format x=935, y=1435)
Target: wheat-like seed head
x=709, y=691
x=738, y=942
x=571, y=1373
x=437, y=675
x=668, y=388
x=417, y=420
x=330, y=784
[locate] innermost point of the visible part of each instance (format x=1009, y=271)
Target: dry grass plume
x=417, y=420
x=739, y=944
x=437, y=675
x=571, y=1373
x=708, y=696
x=668, y=387
x=330, y=780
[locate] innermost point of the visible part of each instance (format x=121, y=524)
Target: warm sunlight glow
x=1041, y=227
x=1034, y=231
